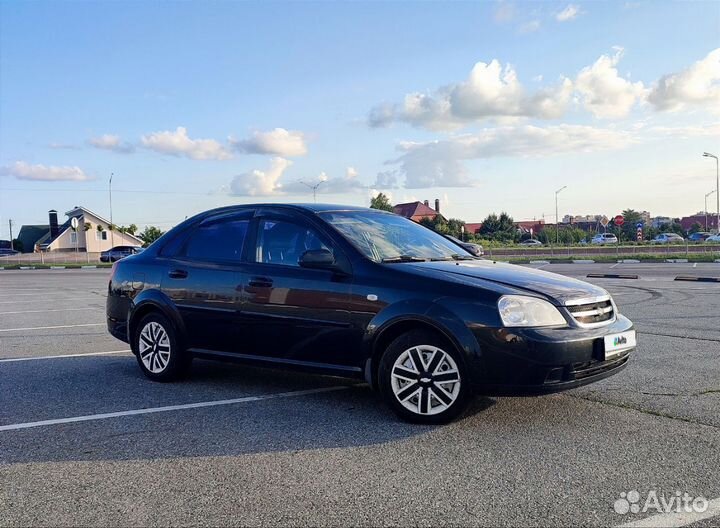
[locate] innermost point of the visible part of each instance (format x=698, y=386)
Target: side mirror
x=317, y=259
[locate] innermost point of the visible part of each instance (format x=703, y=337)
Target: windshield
x=391, y=238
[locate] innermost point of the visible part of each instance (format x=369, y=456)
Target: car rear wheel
x=422, y=378
x=159, y=354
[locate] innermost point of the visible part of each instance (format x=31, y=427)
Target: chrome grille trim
x=593, y=309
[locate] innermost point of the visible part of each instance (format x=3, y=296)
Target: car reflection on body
x=364, y=294
x=119, y=252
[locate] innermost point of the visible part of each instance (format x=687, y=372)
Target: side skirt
x=280, y=363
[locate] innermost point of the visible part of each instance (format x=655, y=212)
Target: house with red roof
x=416, y=211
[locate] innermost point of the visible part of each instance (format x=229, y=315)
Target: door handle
x=178, y=274
x=260, y=282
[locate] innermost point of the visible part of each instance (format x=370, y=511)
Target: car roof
x=309, y=207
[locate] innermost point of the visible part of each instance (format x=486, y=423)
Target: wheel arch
x=433, y=318
x=154, y=301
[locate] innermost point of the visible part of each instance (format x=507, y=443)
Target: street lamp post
x=717, y=186
x=557, y=218
x=112, y=227
x=314, y=188
x=706, y=197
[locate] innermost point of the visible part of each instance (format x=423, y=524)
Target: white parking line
x=59, y=299
x=50, y=327
x=43, y=311
x=12, y=360
x=215, y=403
x=673, y=519
x=54, y=295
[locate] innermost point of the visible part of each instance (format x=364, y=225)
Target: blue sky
x=488, y=106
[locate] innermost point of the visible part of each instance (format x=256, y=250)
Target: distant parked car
x=604, y=238
x=713, y=238
x=7, y=252
x=474, y=249
x=119, y=252
x=700, y=236
x=531, y=242
x=667, y=238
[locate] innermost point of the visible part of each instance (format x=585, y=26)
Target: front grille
x=592, y=313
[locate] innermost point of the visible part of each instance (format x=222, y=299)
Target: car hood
x=551, y=285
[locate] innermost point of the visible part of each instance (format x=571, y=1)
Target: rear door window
x=218, y=241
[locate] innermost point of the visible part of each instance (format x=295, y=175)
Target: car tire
x=433, y=393
x=158, y=350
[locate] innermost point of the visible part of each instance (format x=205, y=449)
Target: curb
x=539, y=262
x=697, y=279
x=57, y=267
x=676, y=261
x=583, y=261
x=88, y=267
x=628, y=261
x=610, y=276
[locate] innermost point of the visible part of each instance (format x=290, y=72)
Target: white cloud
x=261, y=183
x=683, y=132
x=505, y=12
x=63, y=146
x=339, y=185
x=111, y=142
x=491, y=91
x=529, y=27
x=603, y=92
x=698, y=85
x=439, y=163
x=24, y=171
x=569, y=13
x=177, y=143
x=279, y=141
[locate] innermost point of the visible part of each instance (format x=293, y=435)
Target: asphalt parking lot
x=85, y=439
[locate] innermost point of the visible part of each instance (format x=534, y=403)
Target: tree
x=501, y=228
x=629, y=227
x=150, y=235
x=695, y=228
x=455, y=227
x=381, y=202
x=130, y=230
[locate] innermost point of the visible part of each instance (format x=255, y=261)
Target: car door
x=204, y=281
x=294, y=314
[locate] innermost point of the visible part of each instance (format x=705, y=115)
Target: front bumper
x=531, y=361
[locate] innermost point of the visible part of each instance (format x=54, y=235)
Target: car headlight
x=518, y=310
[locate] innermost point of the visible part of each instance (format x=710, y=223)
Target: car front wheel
x=422, y=378
x=159, y=354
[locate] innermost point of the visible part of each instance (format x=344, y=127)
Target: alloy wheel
x=154, y=347
x=425, y=380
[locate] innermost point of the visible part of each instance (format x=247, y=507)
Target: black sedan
x=364, y=294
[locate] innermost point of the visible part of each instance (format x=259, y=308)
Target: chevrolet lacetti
x=361, y=293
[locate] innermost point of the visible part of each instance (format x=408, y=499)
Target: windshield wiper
x=454, y=257
x=402, y=258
